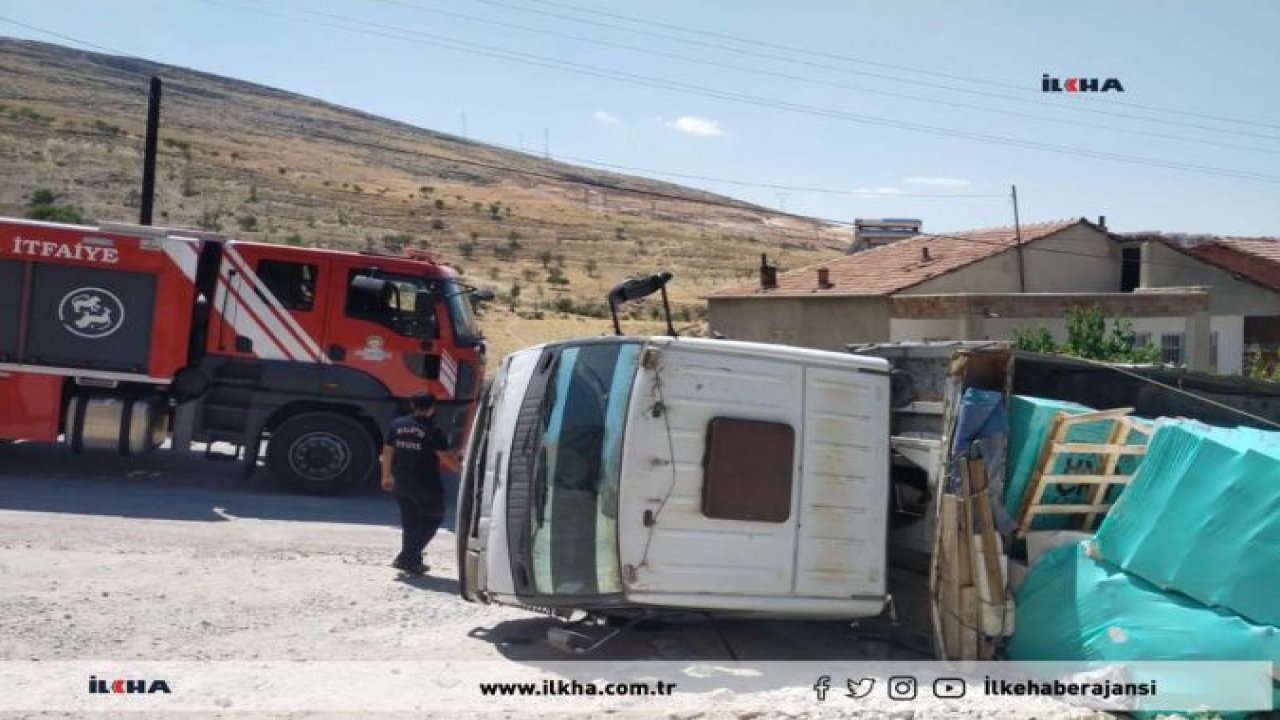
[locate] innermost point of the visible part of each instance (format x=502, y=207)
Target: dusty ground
x=177, y=558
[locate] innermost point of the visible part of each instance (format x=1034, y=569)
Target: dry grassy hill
x=263, y=164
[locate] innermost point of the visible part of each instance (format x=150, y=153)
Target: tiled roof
x=1257, y=259
x=888, y=269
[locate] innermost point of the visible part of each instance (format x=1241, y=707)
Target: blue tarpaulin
x=982, y=430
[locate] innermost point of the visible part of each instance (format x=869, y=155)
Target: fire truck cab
x=113, y=337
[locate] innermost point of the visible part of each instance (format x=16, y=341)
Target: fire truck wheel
x=320, y=453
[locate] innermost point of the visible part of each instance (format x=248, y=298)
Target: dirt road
x=175, y=557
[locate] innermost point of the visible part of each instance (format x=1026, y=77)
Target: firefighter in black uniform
x=411, y=459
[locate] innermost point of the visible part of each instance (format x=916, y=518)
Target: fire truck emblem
x=91, y=312
x=373, y=349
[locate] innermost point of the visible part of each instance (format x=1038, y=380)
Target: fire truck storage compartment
x=30, y=405
x=10, y=301
x=90, y=318
x=130, y=425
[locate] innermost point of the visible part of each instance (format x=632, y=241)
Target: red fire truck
x=114, y=337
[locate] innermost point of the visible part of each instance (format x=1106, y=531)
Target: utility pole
x=1017, y=239
x=148, y=199
x=546, y=143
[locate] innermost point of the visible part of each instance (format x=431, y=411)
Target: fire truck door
x=387, y=325
x=269, y=305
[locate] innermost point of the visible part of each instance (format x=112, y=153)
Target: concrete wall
x=1169, y=268
x=1078, y=259
x=1230, y=330
x=820, y=323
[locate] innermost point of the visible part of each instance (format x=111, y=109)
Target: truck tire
x=321, y=453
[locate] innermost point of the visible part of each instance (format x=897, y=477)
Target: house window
x=1141, y=340
x=1130, y=269
x=293, y=284
x=1171, y=348
x=747, y=470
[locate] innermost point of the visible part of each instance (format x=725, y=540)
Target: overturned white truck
x=630, y=477
x=624, y=474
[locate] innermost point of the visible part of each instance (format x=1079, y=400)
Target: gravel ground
x=178, y=558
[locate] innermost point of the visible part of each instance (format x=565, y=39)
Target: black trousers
x=420, y=518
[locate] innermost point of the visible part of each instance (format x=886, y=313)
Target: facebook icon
x=822, y=686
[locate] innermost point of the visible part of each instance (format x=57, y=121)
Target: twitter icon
x=861, y=688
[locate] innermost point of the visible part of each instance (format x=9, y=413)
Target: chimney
x=924, y=254
x=1102, y=221
x=824, y=278
x=768, y=274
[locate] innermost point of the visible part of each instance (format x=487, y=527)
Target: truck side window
x=398, y=309
x=293, y=283
x=747, y=470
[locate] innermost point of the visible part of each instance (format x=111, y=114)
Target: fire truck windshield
x=460, y=314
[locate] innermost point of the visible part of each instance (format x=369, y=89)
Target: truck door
x=268, y=304
x=390, y=327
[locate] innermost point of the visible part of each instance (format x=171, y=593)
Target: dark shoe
x=410, y=568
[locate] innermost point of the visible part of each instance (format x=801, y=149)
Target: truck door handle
x=337, y=352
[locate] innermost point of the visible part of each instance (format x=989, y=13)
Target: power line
x=68, y=38
x=711, y=202
x=804, y=79
x=418, y=37
x=756, y=42
x=755, y=52
x=747, y=207
x=552, y=63
x=767, y=186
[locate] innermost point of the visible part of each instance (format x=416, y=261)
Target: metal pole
x=1017, y=235
x=613, y=310
x=666, y=308
x=148, y=199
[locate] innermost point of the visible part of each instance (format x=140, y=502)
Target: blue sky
x=803, y=103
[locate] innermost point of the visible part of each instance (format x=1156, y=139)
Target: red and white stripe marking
x=448, y=372
x=272, y=320
x=245, y=303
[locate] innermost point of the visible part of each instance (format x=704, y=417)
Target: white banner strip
x=591, y=687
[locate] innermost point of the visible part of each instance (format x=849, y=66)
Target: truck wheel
x=321, y=453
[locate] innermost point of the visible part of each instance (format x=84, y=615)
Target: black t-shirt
x=414, y=441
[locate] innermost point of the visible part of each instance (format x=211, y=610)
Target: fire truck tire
x=321, y=453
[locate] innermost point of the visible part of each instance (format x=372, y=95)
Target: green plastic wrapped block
x=1202, y=517
x=1030, y=422
x=1074, y=608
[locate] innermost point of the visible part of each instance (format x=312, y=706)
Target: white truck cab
x=624, y=474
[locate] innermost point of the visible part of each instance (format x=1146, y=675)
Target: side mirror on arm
x=371, y=293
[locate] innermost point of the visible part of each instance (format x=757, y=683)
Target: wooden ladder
x=1110, y=452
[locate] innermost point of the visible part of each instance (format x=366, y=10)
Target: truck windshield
x=460, y=314
x=577, y=470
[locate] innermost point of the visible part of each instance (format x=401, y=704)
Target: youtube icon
x=949, y=688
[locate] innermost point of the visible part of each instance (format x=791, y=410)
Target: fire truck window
x=747, y=470
x=398, y=309
x=293, y=284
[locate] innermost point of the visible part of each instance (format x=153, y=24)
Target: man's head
x=422, y=403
